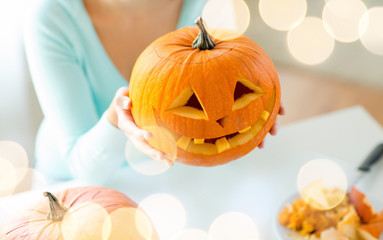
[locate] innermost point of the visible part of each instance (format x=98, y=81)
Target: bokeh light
x=309, y=42
x=128, y=223
x=192, y=234
x=167, y=214
x=86, y=221
x=162, y=140
x=322, y=183
x=233, y=226
x=341, y=19
x=371, y=30
x=282, y=14
x=233, y=15
x=15, y=153
x=31, y=178
x=13, y=166
x=8, y=178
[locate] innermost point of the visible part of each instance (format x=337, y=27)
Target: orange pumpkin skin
x=170, y=65
x=33, y=224
x=377, y=218
x=374, y=228
x=362, y=206
x=371, y=230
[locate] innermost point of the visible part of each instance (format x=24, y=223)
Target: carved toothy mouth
x=218, y=145
x=213, y=146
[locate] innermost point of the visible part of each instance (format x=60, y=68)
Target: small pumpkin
x=83, y=213
x=217, y=99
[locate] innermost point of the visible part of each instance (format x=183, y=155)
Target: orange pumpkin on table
x=83, y=213
x=217, y=99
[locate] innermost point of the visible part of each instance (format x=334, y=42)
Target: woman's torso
x=101, y=52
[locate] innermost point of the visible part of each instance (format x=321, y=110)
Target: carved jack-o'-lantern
x=217, y=99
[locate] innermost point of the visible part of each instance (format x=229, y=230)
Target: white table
x=259, y=183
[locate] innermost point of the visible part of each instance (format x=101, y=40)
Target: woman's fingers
x=274, y=129
x=262, y=144
x=282, y=109
x=123, y=106
x=126, y=121
x=122, y=91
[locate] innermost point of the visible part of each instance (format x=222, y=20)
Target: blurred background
x=329, y=55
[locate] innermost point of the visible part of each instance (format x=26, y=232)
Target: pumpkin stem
x=56, y=211
x=203, y=40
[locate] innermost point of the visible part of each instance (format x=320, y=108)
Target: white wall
x=20, y=113
x=351, y=62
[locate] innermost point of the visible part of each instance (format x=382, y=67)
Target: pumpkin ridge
x=246, y=52
x=26, y=235
x=258, y=81
x=73, y=202
x=43, y=230
x=60, y=236
x=255, y=65
x=94, y=195
x=227, y=80
x=18, y=227
x=38, y=211
x=150, y=78
x=141, y=96
x=181, y=73
x=192, y=63
x=172, y=53
x=196, y=94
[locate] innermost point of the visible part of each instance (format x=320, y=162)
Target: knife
x=365, y=167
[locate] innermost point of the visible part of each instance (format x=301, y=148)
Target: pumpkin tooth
x=199, y=140
x=222, y=144
x=183, y=142
x=244, y=130
x=265, y=115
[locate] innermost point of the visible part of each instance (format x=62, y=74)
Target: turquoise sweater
x=75, y=82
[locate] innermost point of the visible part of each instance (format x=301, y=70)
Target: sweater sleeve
x=89, y=145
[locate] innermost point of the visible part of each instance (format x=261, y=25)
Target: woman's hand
x=120, y=115
x=274, y=129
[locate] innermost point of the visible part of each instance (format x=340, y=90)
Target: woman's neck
x=123, y=7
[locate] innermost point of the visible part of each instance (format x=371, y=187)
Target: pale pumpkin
x=83, y=213
x=217, y=99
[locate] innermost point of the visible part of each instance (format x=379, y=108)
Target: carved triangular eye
x=194, y=102
x=188, y=105
x=241, y=90
x=244, y=93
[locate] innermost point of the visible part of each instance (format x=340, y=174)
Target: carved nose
x=222, y=121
